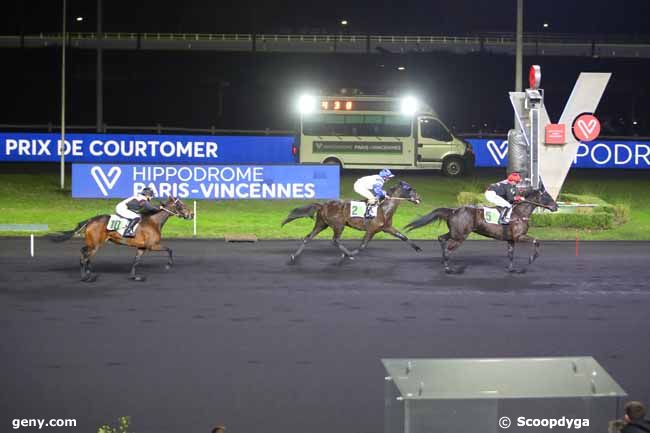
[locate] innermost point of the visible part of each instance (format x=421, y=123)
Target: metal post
x=100, y=71
x=519, y=46
x=31, y=245
x=194, y=218
x=62, y=143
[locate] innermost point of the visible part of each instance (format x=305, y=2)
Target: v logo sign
x=106, y=181
x=498, y=152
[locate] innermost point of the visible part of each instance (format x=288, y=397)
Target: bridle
x=176, y=200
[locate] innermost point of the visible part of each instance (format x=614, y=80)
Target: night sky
x=179, y=88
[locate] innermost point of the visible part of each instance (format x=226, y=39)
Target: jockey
x=132, y=207
x=372, y=188
x=503, y=194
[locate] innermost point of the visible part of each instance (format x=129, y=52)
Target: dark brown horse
x=467, y=219
x=147, y=237
x=336, y=214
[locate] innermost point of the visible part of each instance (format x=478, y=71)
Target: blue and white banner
x=595, y=154
x=210, y=182
x=161, y=149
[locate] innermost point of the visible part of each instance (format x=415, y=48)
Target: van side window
x=431, y=128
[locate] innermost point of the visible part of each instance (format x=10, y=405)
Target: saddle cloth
x=491, y=215
x=358, y=209
x=118, y=224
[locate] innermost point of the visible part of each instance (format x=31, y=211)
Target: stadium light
x=409, y=105
x=306, y=104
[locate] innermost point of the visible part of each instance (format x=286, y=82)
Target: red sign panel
x=555, y=134
x=534, y=77
x=586, y=127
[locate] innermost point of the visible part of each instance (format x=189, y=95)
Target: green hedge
x=602, y=217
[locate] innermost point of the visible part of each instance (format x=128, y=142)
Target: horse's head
x=405, y=191
x=178, y=208
x=540, y=197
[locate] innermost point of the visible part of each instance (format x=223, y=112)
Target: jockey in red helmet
x=503, y=194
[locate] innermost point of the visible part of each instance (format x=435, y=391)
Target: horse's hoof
x=417, y=249
x=516, y=271
x=292, y=260
x=449, y=271
x=168, y=267
x=138, y=278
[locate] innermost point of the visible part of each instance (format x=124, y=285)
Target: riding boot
x=129, y=232
x=503, y=215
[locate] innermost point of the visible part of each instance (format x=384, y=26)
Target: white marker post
x=31, y=245
x=194, y=218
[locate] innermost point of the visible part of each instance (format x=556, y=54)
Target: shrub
x=123, y=425
x=621, y=213
x=465, y=198
x=595, y=220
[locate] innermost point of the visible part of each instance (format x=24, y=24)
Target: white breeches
x=492, y=197
x=124, y=212
x=364, y=192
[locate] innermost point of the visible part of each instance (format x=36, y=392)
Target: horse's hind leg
x=318, y=227
x=136, y=262
x=84, y=263
x=442, y=239
x=336, y=240
x=87, y=253
x=511, y=259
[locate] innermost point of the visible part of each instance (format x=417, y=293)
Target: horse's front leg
x=170, y=255
x=535, y=242
x=393, y=231
x=136, y=262
x=367, y=237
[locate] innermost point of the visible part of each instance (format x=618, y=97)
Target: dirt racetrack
x=233, y=335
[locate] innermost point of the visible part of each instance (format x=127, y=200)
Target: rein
x=169, y=211
x=535, y=204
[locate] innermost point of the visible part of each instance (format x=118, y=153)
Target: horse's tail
x=303, y=212
x=64, y=236
x=442, y=213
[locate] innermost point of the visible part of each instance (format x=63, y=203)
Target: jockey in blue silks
x=372, y=188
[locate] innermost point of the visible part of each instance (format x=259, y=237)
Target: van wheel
x=333, y=161
x=453, y=167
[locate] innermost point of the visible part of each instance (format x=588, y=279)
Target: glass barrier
x=499, y=395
